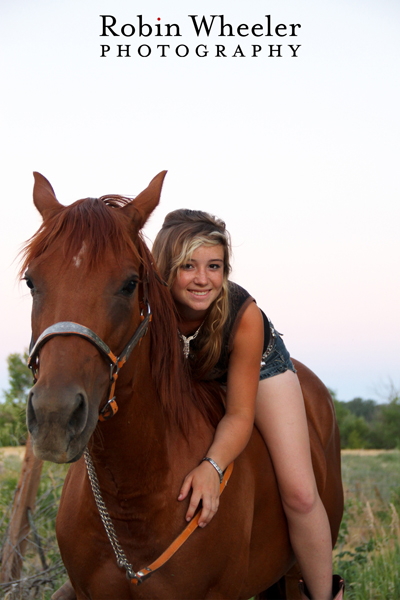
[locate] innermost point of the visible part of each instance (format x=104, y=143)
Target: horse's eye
x=130, y=287
x=29, y=284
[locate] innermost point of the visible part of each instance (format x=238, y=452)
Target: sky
x=298, y=154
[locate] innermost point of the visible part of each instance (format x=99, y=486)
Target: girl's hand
x=204, y=481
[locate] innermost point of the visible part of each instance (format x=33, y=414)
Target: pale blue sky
x=299, y=156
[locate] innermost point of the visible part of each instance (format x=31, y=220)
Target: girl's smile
x=198, y=282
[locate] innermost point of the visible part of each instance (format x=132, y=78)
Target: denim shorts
x=276, y=358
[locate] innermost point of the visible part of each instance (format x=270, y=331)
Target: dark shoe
x=337, y=589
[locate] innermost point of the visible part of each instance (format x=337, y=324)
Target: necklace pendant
x=186, y=341
x=186, y=346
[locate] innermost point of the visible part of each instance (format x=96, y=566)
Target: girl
x=224, y=335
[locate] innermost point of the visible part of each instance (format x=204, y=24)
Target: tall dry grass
x=43, y=571
x=367, y=554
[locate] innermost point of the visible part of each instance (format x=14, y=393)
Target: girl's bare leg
x=281, y=419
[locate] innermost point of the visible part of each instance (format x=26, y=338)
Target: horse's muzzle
x=58, y=422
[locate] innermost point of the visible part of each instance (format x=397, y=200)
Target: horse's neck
x=133, y=448
x=135, y=435
x=140, y=453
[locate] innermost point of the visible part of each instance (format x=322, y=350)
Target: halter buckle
x=114, y=370
x=108, y=410
x=33, y=366
x=138, y=577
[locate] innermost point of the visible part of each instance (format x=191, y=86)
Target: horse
x=112, y=397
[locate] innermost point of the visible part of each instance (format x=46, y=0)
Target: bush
x=13, y=430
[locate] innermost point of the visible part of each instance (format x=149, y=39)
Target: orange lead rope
x=143, y=574
x=138, y=577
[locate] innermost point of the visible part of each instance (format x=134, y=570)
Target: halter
x=70, y=328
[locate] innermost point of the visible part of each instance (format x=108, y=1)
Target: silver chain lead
x=122, y=561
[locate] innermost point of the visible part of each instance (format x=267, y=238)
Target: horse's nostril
x=78, y=419
x=31, y=419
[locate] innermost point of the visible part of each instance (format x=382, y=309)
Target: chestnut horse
x=93, y=282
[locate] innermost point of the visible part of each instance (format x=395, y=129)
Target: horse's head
x=83, y=267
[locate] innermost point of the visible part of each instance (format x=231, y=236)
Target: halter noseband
x=70, y=328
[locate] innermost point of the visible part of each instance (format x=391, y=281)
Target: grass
x=43, y=571
x=367, y=554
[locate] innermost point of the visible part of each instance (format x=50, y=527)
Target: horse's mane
x=99, y=224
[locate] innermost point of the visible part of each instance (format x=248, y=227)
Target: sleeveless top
x=239, y=299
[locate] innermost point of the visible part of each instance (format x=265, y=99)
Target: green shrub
x=13, y=431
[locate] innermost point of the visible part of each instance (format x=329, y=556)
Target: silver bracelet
x=216, y=467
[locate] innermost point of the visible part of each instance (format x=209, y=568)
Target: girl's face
x=199, y=281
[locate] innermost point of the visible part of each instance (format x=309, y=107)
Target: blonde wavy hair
x=184, y=231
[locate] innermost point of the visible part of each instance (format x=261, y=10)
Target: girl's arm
x=234, y=429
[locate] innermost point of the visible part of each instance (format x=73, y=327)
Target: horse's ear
x=44, y=197
x=144, y=204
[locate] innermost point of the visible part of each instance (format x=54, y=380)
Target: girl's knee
x=300, y=500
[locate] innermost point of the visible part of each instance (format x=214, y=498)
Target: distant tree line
x=362, y=423
x=369, y=424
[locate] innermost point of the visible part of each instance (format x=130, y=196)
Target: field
x=43, y=571
x=367, y=554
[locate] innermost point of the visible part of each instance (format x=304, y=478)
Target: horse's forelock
x=96, y=221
